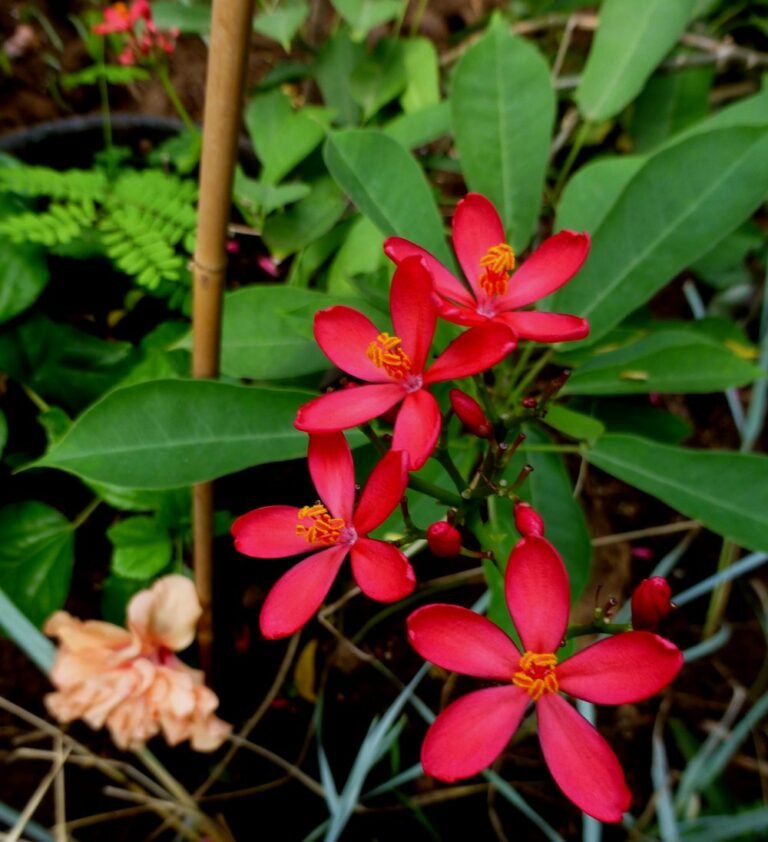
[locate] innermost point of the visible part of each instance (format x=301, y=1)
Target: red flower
x=120, y=18
x=471, y=732
x=330, y=529
x=144, y=41
x=470, y=413
x=651, y=602
x=487, y=260
x=394, y=364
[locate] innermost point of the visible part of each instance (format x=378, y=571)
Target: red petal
x=344, y=335
x=545, y=327
x=333, y=473
x=446, y=283
x=553, y=264
x=477, y=227
x=621, y=669
x=269, y=532
x=382, y=571
x=538, y=594
x=475, y=350
x=472, y=732
x=414, y=315
x=298, y=594
x=460, y=640
x=348, y=408
x=417, y=428
x=383, y=491
x=581, y=762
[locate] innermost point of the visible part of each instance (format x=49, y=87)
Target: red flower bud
x=651, y=603
x=528, y=521
x=470, y=414
x=444, y=540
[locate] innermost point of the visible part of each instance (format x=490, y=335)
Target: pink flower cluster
x=144, y=42
x=130, y=679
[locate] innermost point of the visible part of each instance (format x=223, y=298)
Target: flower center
x=385, y=352
x=324, y=529
x=536, y=674
x=498, y=262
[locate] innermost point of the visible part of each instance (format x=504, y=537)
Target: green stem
x=573, y=152
x=551, y=448
x=35, y=398
x=86, y=513
x=106, y=118
x=530, y=376
x=597, y=627
x=444, y=458
x=721, y=593
x=447, y=497
x=170, y=90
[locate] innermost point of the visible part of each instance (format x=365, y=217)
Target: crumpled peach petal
x=130, y=680
x=166, y=614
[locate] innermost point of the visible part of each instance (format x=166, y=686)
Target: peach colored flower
x=130, y=679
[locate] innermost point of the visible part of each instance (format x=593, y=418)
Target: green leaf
x=363, y=15
x=360, y=254
x=388, y=186
x=305, y=221
x=282, y=21
x=281, y=136
x=423, y=75
x=631, y=39
x=666, y=361
x=170, y=433
x=260, y=342
x=142, y=547
x=639, y=418
x=575, y=425
x=23, y=276
x=3, y=432
x=255, y=198
x=503, y=112
x=421, y=127
x=192, y=20
x=378, y=77
x=678, y=204
x=114, y=74
x=726, y=491
x=591, y=193
x=36, y=557
x=669, y=103
x=335, y=61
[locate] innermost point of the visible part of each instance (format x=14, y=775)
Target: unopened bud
x=470, y=414
x=444, y=540
x=530, y=403
x=651, y=602
x=528, y=521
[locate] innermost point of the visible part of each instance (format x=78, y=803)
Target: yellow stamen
x=385, y=352
x=536, y=674
x=498, y=262
x=324, y=529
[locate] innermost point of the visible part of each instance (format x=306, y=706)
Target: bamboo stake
x=230, y=35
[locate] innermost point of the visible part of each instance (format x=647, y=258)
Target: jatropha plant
x=394, y=372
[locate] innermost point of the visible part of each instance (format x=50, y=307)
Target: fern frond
x=59, y=224
x=69, y=185
x=138, y=248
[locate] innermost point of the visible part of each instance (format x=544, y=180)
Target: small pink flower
x=471, y=732
x=495, y=295
x=395, y=365
x=331, y=530
x=444, y=539
x=129, y=679
x=651, y=602
x=470, y=413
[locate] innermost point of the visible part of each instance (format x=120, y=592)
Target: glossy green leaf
x=360, y=254
x=36, y=557
x=669, y=103
x=631, y=39
x=666, y=361
x=378, y=77
x=261, y=342
x=726, y=264
x=255, y=198
x=591, y=193
x=503, y=108
x=195, y=19
x=726, y=491
x=281, y=136
x=170, y=433
x=388, y=186
x=282, y=20
x=679, y=202
x=575, y=425
x=141, y=547
x=637, y=417
x=23, y=276
x=422, y=73
x=363, y=15
x=421, y=127
x=307, y=220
